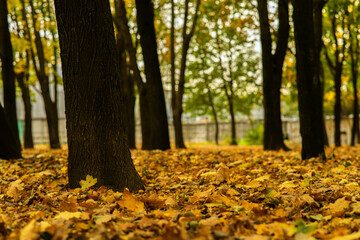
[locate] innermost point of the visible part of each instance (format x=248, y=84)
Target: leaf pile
x=199, y=193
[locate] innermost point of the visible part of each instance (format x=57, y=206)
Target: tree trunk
x=96, y=134
x=354, y=62
x=159, y=138
x=318, y=26
x=272, y=73
x=337, y=107
x=179, y=140
x=233, y=123
x=22, y=79
x=127, y=81
x=309, y=86
x=9, y=149
x=177, y=94
x=121, y=23
x=214, y=113
x=355, y=126
x=8, y=75
x=336, y=70
x=40, y=70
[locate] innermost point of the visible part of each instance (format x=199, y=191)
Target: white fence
x=204, y=132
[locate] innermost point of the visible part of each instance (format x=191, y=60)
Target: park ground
x=203, y=192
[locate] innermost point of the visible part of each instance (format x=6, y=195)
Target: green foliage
x=254, y=136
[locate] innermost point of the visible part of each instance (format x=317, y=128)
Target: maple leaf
x=131, y=203
x=89, y=182
x=15, y=189
x=338, y=208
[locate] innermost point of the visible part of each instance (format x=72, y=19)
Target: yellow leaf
x=68, y=215
x=338, y=208
x=352, y=236
x=89, y=182
x=130, y=202
x=288, y=184
x=15, y=189
x=279, y=230
x=30, y=231
x=103, y=219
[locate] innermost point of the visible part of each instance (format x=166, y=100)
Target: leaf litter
x=197, y=193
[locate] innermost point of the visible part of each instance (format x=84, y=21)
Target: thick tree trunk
x=7, y=71
x=9, y=149
x=159, y=138
x=309, y=86
x=96, y=133
x=272, y=73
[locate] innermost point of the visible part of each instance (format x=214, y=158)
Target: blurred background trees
x=209, y=55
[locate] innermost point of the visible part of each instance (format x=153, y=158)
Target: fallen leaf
x=130, y=202
x=88, y=182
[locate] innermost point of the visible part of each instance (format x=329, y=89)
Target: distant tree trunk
x=272, y=72
x=93, y=102
x=210, y=98
x=7, y=72
x=9, y=149
x=318, y=7
x=309, y=86
x=228, y=89
x=121, y=23
x=177, y=94
x=354, y=64
x=127, y=81
x=158, y=122
x=233, y=123
x=23, y=79
x=40, y=70
x=336, y=70
x=213, y=111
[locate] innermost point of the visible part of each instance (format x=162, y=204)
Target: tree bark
x=93, y=102
x=309, y=86
x=8, y=75
x=9, y=149
x=158, y=122
x=272, y=72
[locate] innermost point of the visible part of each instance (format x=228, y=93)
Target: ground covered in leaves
x=198, y=193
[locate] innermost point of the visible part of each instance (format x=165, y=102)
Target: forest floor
x=198, y=193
